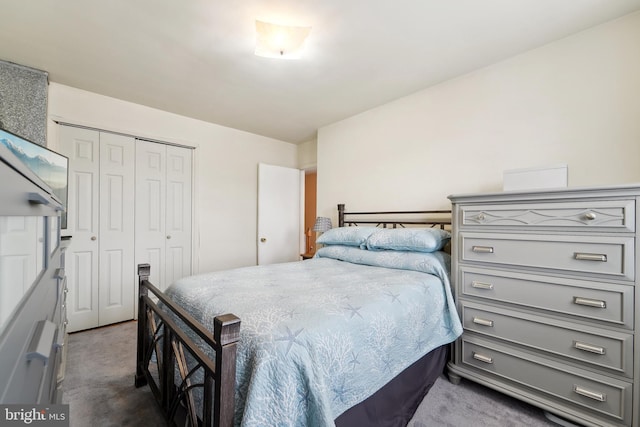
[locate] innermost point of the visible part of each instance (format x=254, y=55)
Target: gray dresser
x=32, y=288
x=546, y=287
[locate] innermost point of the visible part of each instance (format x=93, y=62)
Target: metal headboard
x=394, y=219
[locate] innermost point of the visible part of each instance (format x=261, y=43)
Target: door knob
x=263, y=239
x=168, y=236
x=94, y=238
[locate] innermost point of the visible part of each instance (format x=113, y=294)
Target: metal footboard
x=164, y=344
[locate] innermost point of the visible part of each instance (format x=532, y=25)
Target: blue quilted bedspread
x=322, y=335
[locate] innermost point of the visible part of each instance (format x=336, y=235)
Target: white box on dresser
x=546, y=286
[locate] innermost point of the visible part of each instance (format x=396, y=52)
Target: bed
x=355, y=336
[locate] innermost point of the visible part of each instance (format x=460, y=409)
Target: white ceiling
x=195, y=57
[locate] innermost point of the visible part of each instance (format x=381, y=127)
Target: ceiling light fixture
x=280, y=41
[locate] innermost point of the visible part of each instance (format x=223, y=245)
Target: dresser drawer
x=592, y=392
x=597, y=347
x=584, y=255
x=610, y=215
x=598, y=301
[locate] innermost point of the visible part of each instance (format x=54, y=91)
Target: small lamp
x=322, y=224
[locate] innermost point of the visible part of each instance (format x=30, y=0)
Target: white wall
x=307, y=157
x=575, y=101
x=226, y=167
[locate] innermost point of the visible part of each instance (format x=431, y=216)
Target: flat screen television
x=51, y=167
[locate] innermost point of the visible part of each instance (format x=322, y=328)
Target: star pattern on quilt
x=448, y=327
x=340, y=391
x=291, y=338
x=304, y=397
x=353, y=310
x=354, y=360
x=386, y=363
x=291, y=313
x=394, y=297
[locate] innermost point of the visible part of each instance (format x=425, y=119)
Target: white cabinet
x=163, y=210
x=100, y=259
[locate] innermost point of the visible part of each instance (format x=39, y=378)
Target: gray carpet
x=99, y=390
x=98, y=384
x=471, y=404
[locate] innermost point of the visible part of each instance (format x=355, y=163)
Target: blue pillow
x=346, y=236
x=408, y=239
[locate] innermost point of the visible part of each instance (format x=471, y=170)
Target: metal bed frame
x=431, y=218
x=160, y=337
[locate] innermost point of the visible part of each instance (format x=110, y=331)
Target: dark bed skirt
x=395, y=403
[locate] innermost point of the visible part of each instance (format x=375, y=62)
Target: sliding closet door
x=163, y=210
x=117, y=270
x=82, y=146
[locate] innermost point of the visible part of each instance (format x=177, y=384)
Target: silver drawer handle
x=590, y=216
x=481, y=217
x=480, y=285
x=588, y=347
x=39, y=199
x=589, y=302
x=600, y=397
x=42, y=341
x=482, y=249
x=483, y=322
x=590, y=257
x=482, y=357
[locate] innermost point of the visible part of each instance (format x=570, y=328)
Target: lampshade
x=322, y=224
x=280, y=41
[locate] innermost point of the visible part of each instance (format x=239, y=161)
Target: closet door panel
x=82, y=146
x=150, y=205
x=179, y=202
x=117, y=270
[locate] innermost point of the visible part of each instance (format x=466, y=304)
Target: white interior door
x=116, y=244
x=178, y=220
x=82, y=146
x=280, y=213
